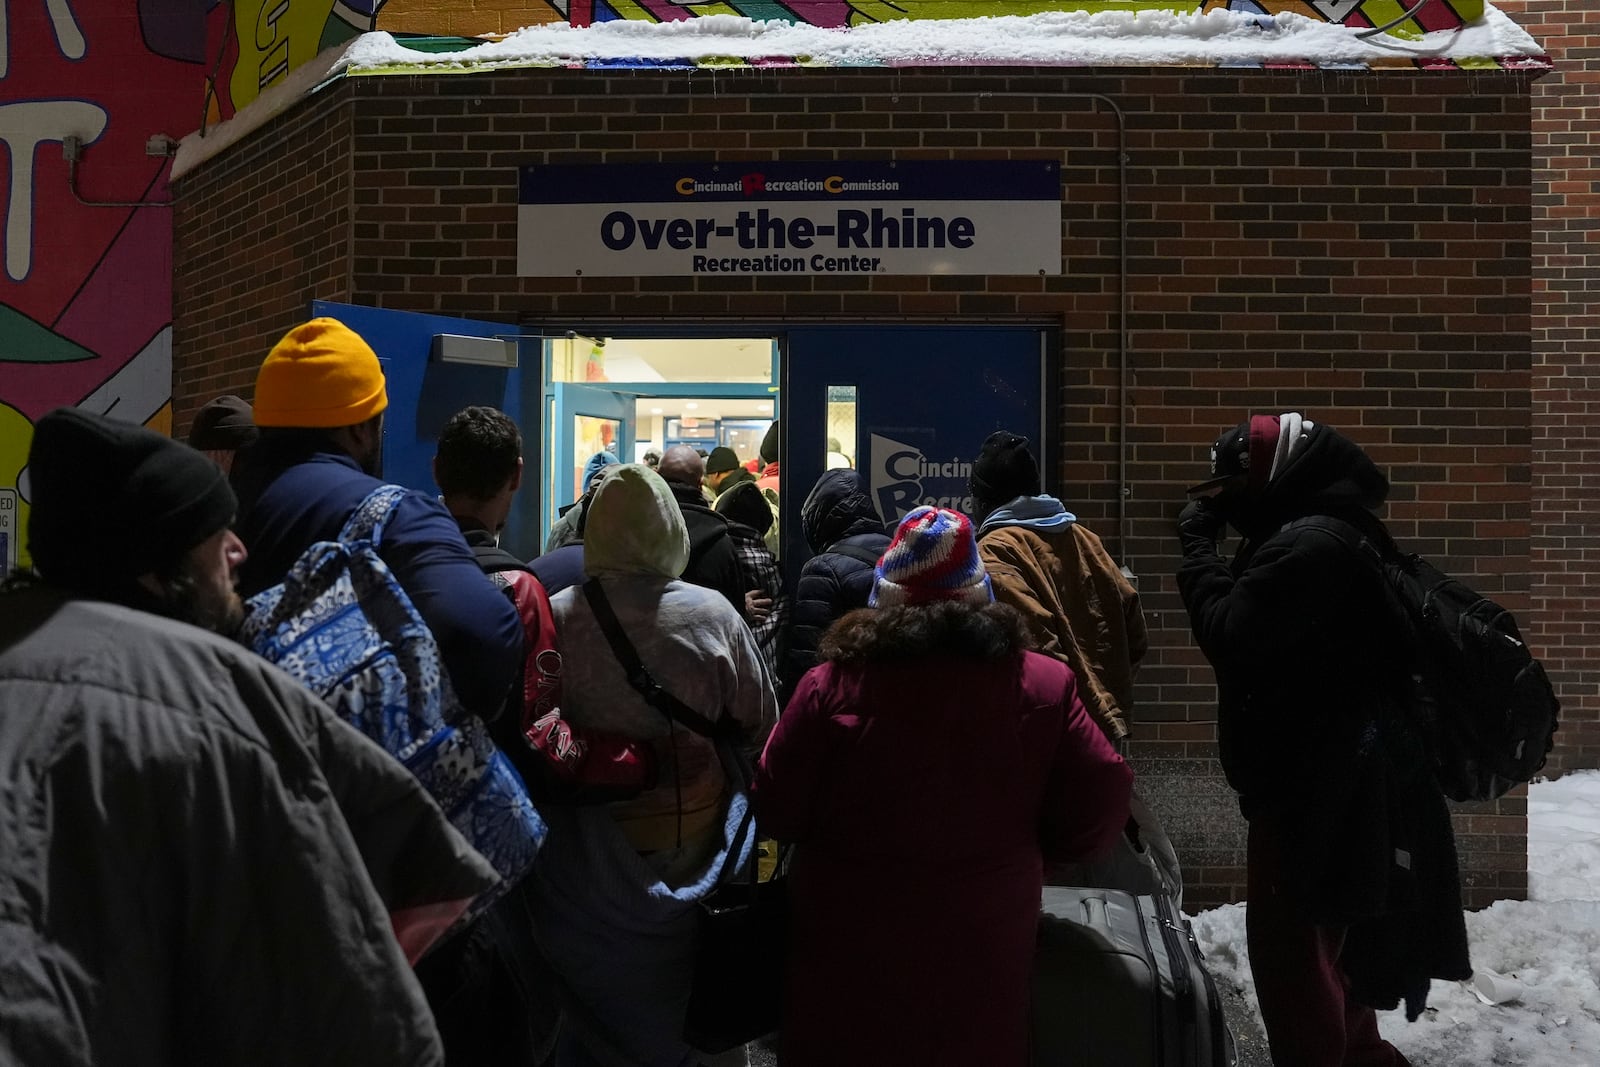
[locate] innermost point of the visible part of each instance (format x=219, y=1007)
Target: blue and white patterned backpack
x=342, y=625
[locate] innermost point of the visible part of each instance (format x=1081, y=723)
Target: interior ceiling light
x=655, y=411
x=691, y=406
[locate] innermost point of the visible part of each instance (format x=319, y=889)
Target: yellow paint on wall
x=16, y=434
x=161, y=421
x=275, y=36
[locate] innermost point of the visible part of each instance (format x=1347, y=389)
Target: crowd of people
x=202, y=863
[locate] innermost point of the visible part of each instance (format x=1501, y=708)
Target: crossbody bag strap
x=639, y=675
x=640, y=678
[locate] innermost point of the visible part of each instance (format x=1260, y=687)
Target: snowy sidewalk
x=1548, y=945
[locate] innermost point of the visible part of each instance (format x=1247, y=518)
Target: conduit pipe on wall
x=1124, y=490
x=72, y=148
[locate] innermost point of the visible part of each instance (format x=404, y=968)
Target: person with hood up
x=922, y=773
x=1354, y=893
x=846, y=537
x=615, y=887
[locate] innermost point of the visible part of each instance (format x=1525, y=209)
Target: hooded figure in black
x=846, y=537
x=1354, y=893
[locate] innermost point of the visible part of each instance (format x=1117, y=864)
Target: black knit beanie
x=1004, y=470
x=769, y=444
x=112, y=500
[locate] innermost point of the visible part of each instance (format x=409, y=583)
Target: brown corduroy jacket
x=1079, y=608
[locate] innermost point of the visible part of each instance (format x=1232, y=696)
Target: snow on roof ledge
x=1057, y=38
x=1060, y=38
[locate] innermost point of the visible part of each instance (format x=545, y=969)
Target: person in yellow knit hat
x=319, y=402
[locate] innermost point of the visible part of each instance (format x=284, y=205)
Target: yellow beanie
x=322, y=374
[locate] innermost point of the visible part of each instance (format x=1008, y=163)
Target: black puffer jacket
x=1309, y=662
x=837, y=517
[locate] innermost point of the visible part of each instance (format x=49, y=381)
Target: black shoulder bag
x=736, y=994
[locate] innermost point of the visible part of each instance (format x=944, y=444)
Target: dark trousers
x=1310, y=1020
x=491, y=991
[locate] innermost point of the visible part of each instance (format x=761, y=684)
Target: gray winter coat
x=198, y=861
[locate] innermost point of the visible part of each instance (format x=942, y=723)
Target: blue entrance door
x=423, y=393
x=908, y=406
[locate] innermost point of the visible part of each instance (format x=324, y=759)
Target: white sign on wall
x=913, y=217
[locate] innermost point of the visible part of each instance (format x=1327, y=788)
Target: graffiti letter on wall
x=1336, y=10
x=275, y=58
x=69, y=39
x=23, y=127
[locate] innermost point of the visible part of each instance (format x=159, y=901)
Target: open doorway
x=631, y=396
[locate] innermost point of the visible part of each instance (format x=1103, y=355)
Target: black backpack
x=1481, y=701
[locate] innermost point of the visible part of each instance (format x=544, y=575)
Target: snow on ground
x=1549, y=946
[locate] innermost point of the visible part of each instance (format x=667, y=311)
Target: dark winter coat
x=559, y=569
x=713, y=559
x=290, y=498
x=921, y=776
x=1309, y=663
x=837, y=515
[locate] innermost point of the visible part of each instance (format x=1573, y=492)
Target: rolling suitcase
x=1118, y=981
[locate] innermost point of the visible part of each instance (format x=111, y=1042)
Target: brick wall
x=259, y=233
x=1351, y=245
x=465, y=18
x=1565, y=621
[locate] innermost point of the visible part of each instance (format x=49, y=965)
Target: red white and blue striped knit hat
x=933, y=557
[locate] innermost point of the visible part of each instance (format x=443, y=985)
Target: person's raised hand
x=1200, y=524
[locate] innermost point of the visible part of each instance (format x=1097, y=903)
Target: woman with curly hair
x=924, y=770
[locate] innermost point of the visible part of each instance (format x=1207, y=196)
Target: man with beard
x=200, y=863
x=319, y=402
x=1355, y=901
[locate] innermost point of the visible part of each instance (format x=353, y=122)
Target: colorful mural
x=257, y=42
x=1436, y=15
x=85, y=310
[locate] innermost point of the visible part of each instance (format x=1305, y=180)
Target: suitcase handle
x=1094, y=913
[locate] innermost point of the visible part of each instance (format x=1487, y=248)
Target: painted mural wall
x=1435, y=15
x=93, y=94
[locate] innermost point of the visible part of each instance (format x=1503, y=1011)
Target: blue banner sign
x=669, y=219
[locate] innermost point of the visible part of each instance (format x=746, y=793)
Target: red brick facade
x=1565, y=621
x=1353, y=245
